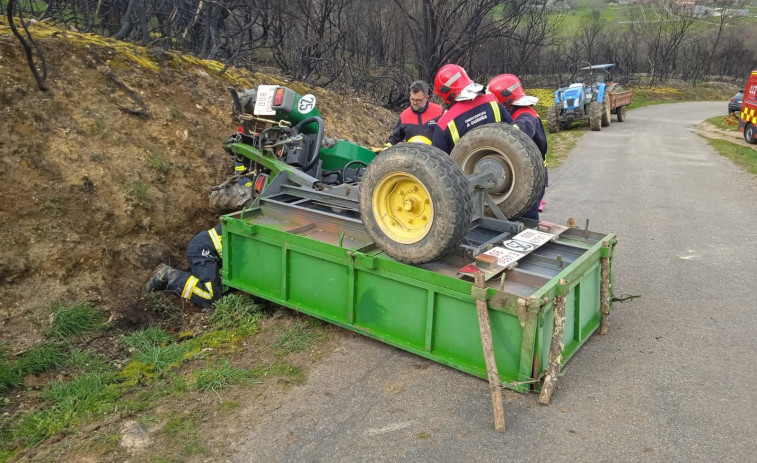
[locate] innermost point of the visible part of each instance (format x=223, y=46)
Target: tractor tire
x=512, y=156
x=595, y=115
x=606, y=112
x=415, y=202
x=552, y=123
x=566, y=125
x=620, y=112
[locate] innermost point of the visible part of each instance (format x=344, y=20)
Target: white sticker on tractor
x=264, y=100
x=306, y=104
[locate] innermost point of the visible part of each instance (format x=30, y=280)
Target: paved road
x=675, y=379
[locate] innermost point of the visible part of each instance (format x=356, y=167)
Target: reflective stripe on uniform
x=453, y=131
x=216, y=241
x=190, y=287
x=239, y=168
x=495, y=108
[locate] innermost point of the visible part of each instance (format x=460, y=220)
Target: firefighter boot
x=160, y=278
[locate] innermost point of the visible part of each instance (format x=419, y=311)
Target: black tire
x=436, y=224
x=514, y=158
x=552, y=122
x=566, y=125
x=750, y=134
x=620, y=112
x=595, y=115
x=606, y=112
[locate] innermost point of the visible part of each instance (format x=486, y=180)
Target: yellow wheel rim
x=403, y=208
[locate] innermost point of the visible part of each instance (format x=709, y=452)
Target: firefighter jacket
x=464, y=116
x=414, y=123
x=527, y=120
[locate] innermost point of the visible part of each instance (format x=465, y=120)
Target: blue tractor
x=584, y=98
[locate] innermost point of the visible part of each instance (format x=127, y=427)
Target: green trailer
x=389, y=251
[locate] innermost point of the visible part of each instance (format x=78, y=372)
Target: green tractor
x=415, y=201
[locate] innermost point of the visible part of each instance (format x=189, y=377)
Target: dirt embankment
x=93, y=197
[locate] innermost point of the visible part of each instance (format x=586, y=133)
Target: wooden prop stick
x=555, y=349
x=491, y=365
x=604, y=294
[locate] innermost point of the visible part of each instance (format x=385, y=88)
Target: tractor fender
x=601, y=93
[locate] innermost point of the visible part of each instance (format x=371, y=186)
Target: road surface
x=673, y=381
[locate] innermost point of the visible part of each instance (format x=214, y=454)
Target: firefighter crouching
x=202, y=286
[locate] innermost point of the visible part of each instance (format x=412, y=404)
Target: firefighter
x=416, y=123
x=202, y=286
x=469, y=107
x=509, y=91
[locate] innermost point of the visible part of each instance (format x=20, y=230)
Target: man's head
x=419, y=94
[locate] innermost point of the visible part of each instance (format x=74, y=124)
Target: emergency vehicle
x=748, y=115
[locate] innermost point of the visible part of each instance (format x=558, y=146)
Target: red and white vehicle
x=748, y=114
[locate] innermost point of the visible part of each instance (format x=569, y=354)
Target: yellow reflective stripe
x=248, y=184
x=189, y=286
x=495, y=108
x=204, y=294
x=239, y=168
x=453, y=131
x=216, y=241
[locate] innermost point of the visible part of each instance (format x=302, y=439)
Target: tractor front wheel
x=552, y=122
x=415, y=202
x=606, y=112
x=513, y=158
x=595, y=115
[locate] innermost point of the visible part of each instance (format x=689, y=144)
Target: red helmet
x=506, y=88
x=450, y=81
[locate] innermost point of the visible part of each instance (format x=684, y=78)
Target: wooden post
x=491, y=365
x=555, y=348
x=604, y=293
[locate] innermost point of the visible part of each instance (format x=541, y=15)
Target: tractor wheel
x=606, y=112
x=750, y=134
x=552, y=123
x=621, y=113
x=415, y=202
x=595, y=115
x=514, y=159
x=566, y=125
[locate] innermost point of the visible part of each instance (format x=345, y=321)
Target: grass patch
x=101, y=126
x=73, y=321
x=174, y=112
x=184, y=430
x=139, y=192
x=237, y=311
x=158, y=163
x=84, y=362
x=296, y=338
x=42, y=358
x=293, y=373
x=222, y=376
x=743, y=156
x=154, y=353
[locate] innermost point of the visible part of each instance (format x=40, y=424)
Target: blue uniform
x=203, y=285
x=464, y=116
x=527, y=120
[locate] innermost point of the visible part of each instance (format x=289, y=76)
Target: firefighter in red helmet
x=469, y=107
x=508, y=90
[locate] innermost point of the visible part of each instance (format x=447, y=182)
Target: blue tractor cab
x=583, y=98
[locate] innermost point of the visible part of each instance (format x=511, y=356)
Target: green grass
x=139, y=192
x=296, y=338
x=291, y=372
x=74, y=321
x=159, y=163
x=222, y=376
x=237, y=311
x=44, y=357
x=742, y=155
